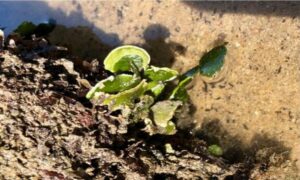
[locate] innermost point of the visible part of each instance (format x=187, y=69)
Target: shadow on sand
x=270, y=8
x=259, y=150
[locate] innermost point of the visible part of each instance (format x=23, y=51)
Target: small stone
x=12, y=43
x=169, y=149
x=43, y=43
x=1, y=39
x=89, y=171
x=85, y=83
x=14, y=113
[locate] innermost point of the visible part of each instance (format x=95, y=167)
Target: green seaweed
x=139, y=94
x=27, y=28
x=125, y=98
x=123, y=55
x=114, y=84
x=215, y=150
x=160, y=74
x=212, y=61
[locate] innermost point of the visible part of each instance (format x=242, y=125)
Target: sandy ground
x=256, y=101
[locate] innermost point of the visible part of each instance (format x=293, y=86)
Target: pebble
x=12, y=43
x=14, y=113
x=1, y=39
